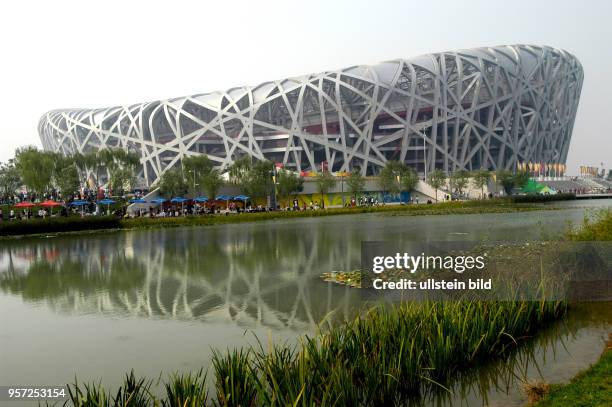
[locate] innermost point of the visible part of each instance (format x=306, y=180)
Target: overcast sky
x=60, y=54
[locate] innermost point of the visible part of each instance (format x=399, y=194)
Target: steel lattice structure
x=478, y=108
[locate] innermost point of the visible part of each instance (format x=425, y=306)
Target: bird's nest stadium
x=493, y=107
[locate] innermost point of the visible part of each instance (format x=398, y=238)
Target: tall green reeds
x=386, y=356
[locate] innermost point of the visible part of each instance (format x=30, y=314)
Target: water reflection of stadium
x=268, y=277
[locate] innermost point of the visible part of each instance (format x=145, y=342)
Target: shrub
x=535, y=198
x=58, y=224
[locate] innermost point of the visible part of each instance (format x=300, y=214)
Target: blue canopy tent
x=158, y=201
x=108, y=203
x=137, y=201
x=201, y=199
x=79, y=202
x=181, y=200
x=226, y=198
x=242, y=198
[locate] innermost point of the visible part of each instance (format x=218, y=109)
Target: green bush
x=535, y=198
x=57, y=224
x=597, y=228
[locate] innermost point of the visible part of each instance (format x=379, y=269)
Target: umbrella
x=137, y=201
x=24, y=205
x=201, y=199
x=80, y=203
x=181, y=200
x=224, y=198
x=241, y=198
x=158, y=200
x=108, y=203
x=49, y=203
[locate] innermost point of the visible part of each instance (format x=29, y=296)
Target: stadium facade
x=490, y=108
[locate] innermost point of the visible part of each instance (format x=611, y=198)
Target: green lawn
x=591, y=388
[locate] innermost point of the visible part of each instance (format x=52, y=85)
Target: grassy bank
x=388, y=355
x=71, y=224
x=598, y=227
x=593, y=387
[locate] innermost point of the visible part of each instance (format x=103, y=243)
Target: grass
x=75, y=223
x=390, y=354
x=598, y=227
x=591, y=388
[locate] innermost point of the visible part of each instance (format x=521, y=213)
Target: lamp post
x=272, y=196
x=342, y=187
x=194, y=181
x=399, y=184
x=424, y=154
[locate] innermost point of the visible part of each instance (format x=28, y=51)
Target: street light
x=399, y=183
x=342, y=187
x=424, y=154
x=194, y=179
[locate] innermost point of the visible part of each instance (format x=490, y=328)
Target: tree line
x=47, y=173
x=43, y=172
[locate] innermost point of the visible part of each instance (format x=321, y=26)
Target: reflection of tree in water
x=253, y=276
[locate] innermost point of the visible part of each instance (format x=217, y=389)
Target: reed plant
x=388, y=355
x=186, y=390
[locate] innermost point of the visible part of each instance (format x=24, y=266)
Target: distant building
x=490, y=108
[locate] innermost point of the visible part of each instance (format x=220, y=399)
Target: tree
x=172, y=183
x=239, y=169
x=86, y=164
x=256, y=184
x=355, y=182
x=196, y=167
x=460, y=179
x=396, y=177
x=389, y=177
x=480, y=179
x=35, y=168
x=520, y=179
x=212, y=182
x=409, y=180
x=437, y=179
x=9, y=178
x=325, y=181
x=122, y=179
x=253, y=178
x=506, y=180
x=65, y=174
x=289, y=183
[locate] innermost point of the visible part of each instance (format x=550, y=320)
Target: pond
x=157, y=301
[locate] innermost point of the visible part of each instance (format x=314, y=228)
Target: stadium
x=494, y=107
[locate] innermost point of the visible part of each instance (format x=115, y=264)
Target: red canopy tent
x=49, y=203
x=24, y=205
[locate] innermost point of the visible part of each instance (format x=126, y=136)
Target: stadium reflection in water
x=185, y=275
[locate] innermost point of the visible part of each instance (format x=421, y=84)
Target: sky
x=90, y=54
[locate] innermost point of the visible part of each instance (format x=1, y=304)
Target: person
x=1, y=215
